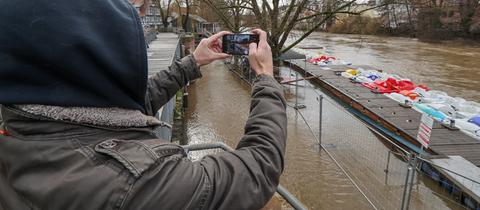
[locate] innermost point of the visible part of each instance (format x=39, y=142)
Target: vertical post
x=250, y=74
x=320, y=117
x=296, y=90
x=185, y=97
x=411, y=168
x=388, y=161
x=389, y=153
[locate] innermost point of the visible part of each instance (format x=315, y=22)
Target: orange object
x=4, y=133
x=409, y=93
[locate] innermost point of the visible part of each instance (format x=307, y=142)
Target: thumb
x=221, y=56
x=253, y=49
x=252, y=55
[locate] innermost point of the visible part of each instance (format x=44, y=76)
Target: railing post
x=320, y=117
x=250, y=75
x=387, y=168
x=411, y=169
x=185, y=97
x=296, y=91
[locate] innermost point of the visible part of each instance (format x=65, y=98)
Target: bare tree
x=187, y=15
x=184, y=21
x=164, y=11
x=230, y=12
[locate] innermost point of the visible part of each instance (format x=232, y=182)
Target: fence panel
x=387, y=175
x=375, y=164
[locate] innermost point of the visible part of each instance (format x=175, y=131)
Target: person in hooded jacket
x=78, y=110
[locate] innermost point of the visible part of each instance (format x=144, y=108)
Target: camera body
x=238, y=44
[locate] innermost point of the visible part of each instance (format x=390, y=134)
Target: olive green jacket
x=56, y=165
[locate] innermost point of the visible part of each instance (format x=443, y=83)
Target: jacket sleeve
x=246, y=178
x=162, y=86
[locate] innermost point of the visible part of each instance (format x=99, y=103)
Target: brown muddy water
x=218, y=109
x=451, y=67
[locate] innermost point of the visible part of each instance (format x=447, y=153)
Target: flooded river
x=450, y=67
x=357, y=172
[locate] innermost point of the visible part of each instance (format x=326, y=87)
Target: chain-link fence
x=386, y=174
x=240, y=66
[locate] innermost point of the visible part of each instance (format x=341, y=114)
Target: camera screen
x=238, y=44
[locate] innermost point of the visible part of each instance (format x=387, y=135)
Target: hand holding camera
x=210, y=49
x=254, y=45
x=260, y=55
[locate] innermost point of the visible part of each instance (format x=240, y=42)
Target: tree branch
x=290, y=26
x=316, y=26
x=232, y=7
x=222, y=16
x=326, y=13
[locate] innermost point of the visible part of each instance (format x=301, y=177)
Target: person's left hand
x=210, y=49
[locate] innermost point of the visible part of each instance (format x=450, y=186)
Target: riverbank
x=459, y=42
x=425, y=31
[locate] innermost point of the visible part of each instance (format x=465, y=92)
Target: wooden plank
x=358, y=95
x=355, y=90
x=444, y=137
x=161, y=52
x=409, y=122
x=378, y=103
x=394, y=112
x=341, y=82
x=325, y=74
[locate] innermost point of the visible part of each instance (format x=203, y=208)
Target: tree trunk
x=187, y=16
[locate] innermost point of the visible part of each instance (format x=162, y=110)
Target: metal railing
x=291, y=199
x=240, y=66
x=150, y=36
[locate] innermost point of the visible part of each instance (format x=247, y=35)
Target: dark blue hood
x=72, y=53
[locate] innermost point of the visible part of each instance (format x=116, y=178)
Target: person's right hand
x=260, y=57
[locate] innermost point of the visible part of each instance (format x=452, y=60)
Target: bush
x=358, y=25
x=430, y=27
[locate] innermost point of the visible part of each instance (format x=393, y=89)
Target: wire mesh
x=240, y=66
x=440, y=189
x=376, y=165
x=365, y=157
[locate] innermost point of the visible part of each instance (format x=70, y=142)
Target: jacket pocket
x=138, y=156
